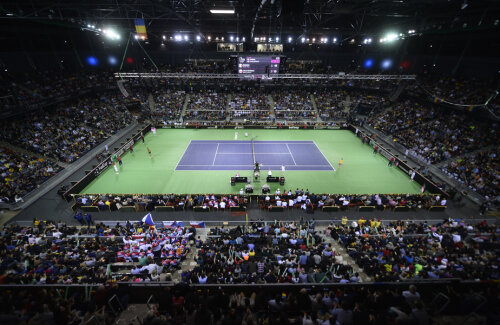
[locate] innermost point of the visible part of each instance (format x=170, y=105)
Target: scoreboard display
x=258, y=66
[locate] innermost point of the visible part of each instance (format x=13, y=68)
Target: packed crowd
x=53, y=253
x=168, y=103
x=22, y=173
x=37, y=86
x=251, y=104
x=480, y=172
x=464, y=91
x=71, y=130
x=293, y=105
x=267, y=253
x=330, y=104
x=301, y=199
x=407, y=250
x=206, y=105
x=48, y=306
x=148, y=202
x=434, y=136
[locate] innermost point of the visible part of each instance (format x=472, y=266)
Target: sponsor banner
x=239, y=127
x=270, y=127
x=212, y=127
x=333, y=127
x=166, y=127
x=180, y=127
x=293, y=127
x=102, y=166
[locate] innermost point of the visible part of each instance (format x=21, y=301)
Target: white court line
x=291, y=154
x=265, y=165
x=324, y=157
x=182, y=155
x=257, y=153
x=215, y=156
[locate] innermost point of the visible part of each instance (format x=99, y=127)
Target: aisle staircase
x=184, y=107
x=271, y=106
x=313, y=101
x=151, y=102
x=342, y=256
x=228, y=108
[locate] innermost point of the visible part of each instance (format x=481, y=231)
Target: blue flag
x=148, y=219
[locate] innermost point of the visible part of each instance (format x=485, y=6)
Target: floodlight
x=302, y=39
x=335, y=40
x=136, y=36
x=289, y=39
x=231, y=38
x=198, y=38
x=390, y=37
x=277, y=39
x=186, y=37
x=368, y=63
x=164, y=37
x=178, y=37
x=222, y=11
x=243, y=39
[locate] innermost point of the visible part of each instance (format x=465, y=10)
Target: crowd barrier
x=97, y=170
x=249, y=198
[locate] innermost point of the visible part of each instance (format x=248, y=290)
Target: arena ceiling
x=259, y=17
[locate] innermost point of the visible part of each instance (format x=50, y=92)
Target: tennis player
x=149, y=152
x=341, y=162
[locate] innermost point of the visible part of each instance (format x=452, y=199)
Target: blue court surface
x=238, y=155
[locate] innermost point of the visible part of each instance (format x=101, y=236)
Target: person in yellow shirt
x=344, y=221
x=341, y=162
x=361, y=221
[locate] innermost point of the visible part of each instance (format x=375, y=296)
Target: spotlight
x=209, y=37
x=386, y=64
x=186, y=37
x=198, y=38
x=368, y=63
x=270, y=39
x=289, y=39
x=243, y=39
x=303, y=40
x=335, y=40
x=277, y=39
x=237, y=39
x=178, y=37
x=164, y=37
x=112, y=60
x=136, y=36
x=256, y=39
x=91, y=60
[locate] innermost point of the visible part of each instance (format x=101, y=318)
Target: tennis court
x=233, y=155
x=204, y=160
